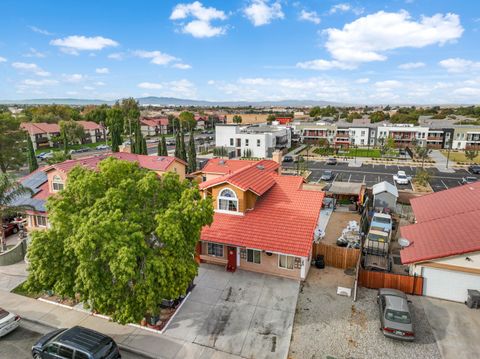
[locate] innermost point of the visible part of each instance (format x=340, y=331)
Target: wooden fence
x=405, y=283
x=338, y=257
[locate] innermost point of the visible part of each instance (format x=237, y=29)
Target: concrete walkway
x=441, y=162
x=12, y=276
x=129, y=338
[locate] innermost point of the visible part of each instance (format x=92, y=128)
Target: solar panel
x=35, y=180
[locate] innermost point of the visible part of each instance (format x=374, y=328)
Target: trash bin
x=473, y=298
x=320, y=262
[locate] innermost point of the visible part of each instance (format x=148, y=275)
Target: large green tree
x=115, y=123
x=121, y=239
x=192, y=154
x=10, y=192
x=131, y=113
x=162, y=147
x=31, y=158
x=187, y=120
x=71, y=132
x=12, y=143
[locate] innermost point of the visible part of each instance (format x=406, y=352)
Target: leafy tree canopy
x=187, y=120
x=51, y=113
x=121, y=239
x=71, y=131
x=12, y=143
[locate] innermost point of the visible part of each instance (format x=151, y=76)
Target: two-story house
x=49, y=180
x=263, y=222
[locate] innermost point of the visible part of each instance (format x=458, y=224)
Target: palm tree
x=10, y=191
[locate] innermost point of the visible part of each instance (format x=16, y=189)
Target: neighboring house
x=49, y=180
x=385, y=195
x=252, y=141
x=201, y=122
x=46, y=135
x=445, y=242
x=263, y=222
x=217, y=167
x=153, y=126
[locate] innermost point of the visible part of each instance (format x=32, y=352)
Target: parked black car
x=287, y=158
x=474, y=169
x=76, y=342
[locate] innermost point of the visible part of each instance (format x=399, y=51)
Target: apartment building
x=258, y=141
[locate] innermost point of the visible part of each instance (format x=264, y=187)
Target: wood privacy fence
x=338, y=257
x=405, y=283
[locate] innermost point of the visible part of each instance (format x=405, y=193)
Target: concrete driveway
x=243, y=313
x=455, y=327
x=12, y=276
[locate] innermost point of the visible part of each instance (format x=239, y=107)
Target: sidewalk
x=441, y=162
x=129, y=338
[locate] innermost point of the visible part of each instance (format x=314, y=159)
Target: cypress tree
x=183, y=152
x=177, y=145
x=144, y=146
x=65, y=142
x=32, y=160
x=162, y=147
x=192, y=154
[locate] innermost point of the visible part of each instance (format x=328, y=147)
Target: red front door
x=231, y=259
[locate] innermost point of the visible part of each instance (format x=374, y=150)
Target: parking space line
x=363, y=181
x=334, y=177
x=446, y=187
x=349, y=177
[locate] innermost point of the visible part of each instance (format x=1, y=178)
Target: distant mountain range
x=171, y=101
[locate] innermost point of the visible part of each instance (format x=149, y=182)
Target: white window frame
x=56, y=182
x=252, y=251
x=215, y=245
x=222, y=197
x=286, y=256
x=44, y=219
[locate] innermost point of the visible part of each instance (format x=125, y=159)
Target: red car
x=10, y=228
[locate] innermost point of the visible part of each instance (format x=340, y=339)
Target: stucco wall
x=269, y=265
x=244, y=199
x=14, y=255
x=178, y=168
x=458, y=261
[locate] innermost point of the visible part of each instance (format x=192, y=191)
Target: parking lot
x=243, y=313
x=371, y=174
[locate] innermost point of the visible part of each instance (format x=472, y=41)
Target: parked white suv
x=402, y=178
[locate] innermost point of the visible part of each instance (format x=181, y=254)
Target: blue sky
x=397, y=51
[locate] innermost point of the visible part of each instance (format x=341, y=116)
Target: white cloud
x=3, y=59
x=150, y=85
x=182, y=66
x=88, y=88
x=72, y=93
x=459, y=65
x=34, y=53
x=116, y=56
x=387, y=85
x=411, y=65
x=364, y=80
x=323, y=65
x=467, y=92
x=344, y=7
x=261, y=12
x=30, y=67
x=75, y=43
x=157, y=57
x=99, y=83
x=102, y=70
x=178, y=88
x=73, y=77
x=44, y=82
x=40, y=31
x=369, y=37
x=201, y=25
x=311, y=16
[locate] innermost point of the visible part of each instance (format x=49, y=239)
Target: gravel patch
x=330, y=325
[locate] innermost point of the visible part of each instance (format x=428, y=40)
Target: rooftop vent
x=221, y=162
x=261, y=167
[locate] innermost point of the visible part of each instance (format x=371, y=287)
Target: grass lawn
x=460, y=156
x=363, y=152
x=23, y=290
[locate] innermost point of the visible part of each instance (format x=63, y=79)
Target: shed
x=385, y=196
x=346, y=191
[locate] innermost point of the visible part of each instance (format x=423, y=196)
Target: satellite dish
x=403, y=242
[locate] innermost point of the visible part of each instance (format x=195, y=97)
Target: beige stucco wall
x=178, y=168
x=457, y=261
x=269, y=265
x=51, y=174
x=245, y=199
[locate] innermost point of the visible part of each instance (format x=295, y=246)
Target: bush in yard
x=121, y=239
x=422, y=177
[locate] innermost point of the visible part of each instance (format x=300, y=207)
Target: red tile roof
x=154, y=122
x=221, y=166
x=258, y=177
x=40, y=127
x=283, y=220
x=90, y=125
x=447, y=225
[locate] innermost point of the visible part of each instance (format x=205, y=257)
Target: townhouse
x=49, y=180
x=259, y=141
x=44, y=135
x=263, y=222
x=153, y=126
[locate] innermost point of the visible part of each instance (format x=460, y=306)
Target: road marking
x=349, y=178
x=446, y=187
x=334, y=178
x=363, y=178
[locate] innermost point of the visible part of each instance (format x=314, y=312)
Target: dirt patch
x=336, y=224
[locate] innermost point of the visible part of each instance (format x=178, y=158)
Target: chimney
x=277, y=157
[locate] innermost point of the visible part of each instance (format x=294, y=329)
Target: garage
x=448, y=284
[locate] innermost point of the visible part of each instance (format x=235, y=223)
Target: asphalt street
x=371, y=174
x=18, y=344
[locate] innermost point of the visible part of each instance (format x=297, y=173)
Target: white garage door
x=446, y=284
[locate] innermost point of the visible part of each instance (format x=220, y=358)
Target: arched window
x=227, y=200
x=57, y=183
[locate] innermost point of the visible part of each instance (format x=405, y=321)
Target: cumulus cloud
x=411, y=65
x=36, y=83
x=459, y=65
x=3, y=59
x=344, y=7
x=388, y=85
x=322, y=65
x=161, y=58
x=74, y=44
x=182, y=66
x=363, y=80
x=34, y=53
x=73, y=77
x=40, y=31
x=201, y=17
x=102, y=70
x=467, y=92
x=262, y=12
x=177, y=88
x=30, y=67
x=116, y=56
x=311, y=16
